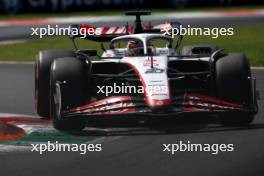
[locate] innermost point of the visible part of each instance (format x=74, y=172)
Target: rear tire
x=67, y=91
x=42, y=78
x=233, y=85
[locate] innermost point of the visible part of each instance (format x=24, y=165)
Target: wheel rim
x=57, y=100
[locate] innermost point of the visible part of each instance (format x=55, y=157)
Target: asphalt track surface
x=135, y=152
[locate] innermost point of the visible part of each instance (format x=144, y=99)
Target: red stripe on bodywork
x=203, y=103
x=107, y=104
x=104, y=30
x=150, y=102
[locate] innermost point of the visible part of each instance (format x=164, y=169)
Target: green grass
x=247, y=39
x=121, y=12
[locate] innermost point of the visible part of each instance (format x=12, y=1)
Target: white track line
x=11, y=42
x=257, y=68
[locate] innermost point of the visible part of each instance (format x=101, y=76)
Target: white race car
x=141, y=74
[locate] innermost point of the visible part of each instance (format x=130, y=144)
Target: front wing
x=186, y=103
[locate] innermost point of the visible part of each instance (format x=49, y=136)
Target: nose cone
x=152, y=73
x=157, y=103
x=161, y=106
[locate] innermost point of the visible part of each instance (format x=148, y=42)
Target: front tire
x=42, y=78
x=233, y=85
x=67, y=91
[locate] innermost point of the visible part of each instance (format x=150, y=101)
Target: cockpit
x=140, y=45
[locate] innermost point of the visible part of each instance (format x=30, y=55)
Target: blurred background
x=18, y=17
x=25, y=6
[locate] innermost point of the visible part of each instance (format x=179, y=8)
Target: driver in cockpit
x=135, y=48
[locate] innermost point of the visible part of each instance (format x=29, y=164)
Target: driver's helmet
x=132, y=44
x=134, y=48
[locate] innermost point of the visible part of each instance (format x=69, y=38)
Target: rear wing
x=108, y=33
x=99, y=33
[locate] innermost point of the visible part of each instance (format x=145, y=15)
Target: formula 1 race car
x=142, y=74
